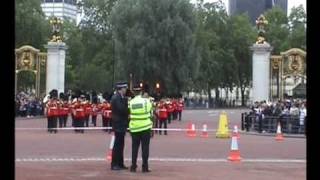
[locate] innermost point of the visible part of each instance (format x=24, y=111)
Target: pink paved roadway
x=37, y=152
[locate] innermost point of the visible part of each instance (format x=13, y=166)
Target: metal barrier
x=289, y=124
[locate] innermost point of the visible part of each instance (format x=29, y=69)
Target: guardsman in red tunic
x=163, y=117
x=79, y=114
x=66, y=110
x=94, y=113
x=88, y=109
x=52, y=111
x=180, y=108
x=61, y=110
x=107, y=116
x=175, y=109
x=169, y=110
x=72, y=110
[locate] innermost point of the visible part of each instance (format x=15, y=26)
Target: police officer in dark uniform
x=120, y=113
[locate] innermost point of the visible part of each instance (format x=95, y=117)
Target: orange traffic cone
x=279, y=136
x=236, y=132
x=234, y=153
x=109, y=153
x=204, y=131
x=191, y=132
x=188, y=129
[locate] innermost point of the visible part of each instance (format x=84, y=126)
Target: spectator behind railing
x=265, y=116
x=27, y=105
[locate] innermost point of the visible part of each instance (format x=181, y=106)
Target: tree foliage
x=31, y=27
x=155, y=42
x=183, y=46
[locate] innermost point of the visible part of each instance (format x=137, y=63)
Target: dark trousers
x=175, y=115
x=87, y=120
x=155, y=123
x=169, y=117
x=61, y=121
x=117, y=151
x=107, y=123
x=65, y=120
x=52, y=123
x=164, y=123
x=179, y=114
x=94, y=120
x=144, y=138
x=79, y=123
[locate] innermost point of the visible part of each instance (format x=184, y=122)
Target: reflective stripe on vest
x=140, y=117
x=142, y=128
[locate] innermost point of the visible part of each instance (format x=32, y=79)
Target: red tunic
x=107, y=112
x=52, y=108
x=79, y=110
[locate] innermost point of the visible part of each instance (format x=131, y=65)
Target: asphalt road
x=67, y=155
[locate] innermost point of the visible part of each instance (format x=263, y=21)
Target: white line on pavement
x=162, y=160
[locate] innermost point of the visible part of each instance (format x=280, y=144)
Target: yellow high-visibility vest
x=140, y=114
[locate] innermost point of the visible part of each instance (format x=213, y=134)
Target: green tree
x=297, y=23
x=89, y=54
x=31, y=27
x=213, y=45
x=154, y=41
x=277, y=30
x=243, y=36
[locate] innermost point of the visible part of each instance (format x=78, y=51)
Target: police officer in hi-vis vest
x=140, y=125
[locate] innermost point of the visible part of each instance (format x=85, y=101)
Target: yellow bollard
x=223, y=129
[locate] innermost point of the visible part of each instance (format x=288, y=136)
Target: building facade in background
x=255, y=7
x=66, y=9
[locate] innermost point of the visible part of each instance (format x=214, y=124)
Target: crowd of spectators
x=287, y=111
x=27, y=105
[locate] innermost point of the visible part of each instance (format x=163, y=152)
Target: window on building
x=57, y=0
x=72, y=2
x=48, y=1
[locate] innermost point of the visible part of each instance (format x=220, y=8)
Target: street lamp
x=131, y=81
x=141, y=85
x=157, y=85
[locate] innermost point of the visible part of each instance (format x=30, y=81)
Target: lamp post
x=113, y=64
x=130, y=81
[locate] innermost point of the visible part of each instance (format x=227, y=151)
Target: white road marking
x=162, y=160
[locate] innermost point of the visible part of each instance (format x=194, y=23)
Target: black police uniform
x=120, y=113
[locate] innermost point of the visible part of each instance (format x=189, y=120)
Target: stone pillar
x=261, y=72
x=55, y=66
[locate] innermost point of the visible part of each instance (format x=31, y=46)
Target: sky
x=291, y=3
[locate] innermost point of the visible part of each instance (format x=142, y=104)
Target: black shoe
x=133, y=169
x=116, y=168
x=124, y=167
x=146, y=170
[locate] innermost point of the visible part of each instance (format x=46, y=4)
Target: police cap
x=120, y=85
